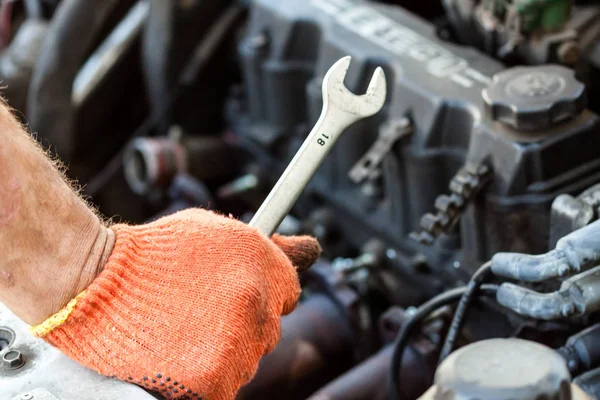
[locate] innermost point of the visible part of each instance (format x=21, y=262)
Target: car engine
x=459, y=225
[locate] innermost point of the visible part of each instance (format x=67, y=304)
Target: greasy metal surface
x=574, y=253
x=571, y=213
x=368, y=380
x=99, y=64
x=577, y=296
x=341, y=108
x=316, y=346
x=568, y=214
x=534, y=98
x=582, y=350
x=590, y=383
x=576, y=392
x=438, y=86
x=48, y=371
x=368, y=167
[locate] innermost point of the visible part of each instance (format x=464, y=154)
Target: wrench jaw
x=341, y=108
x=337, y=96
x=376, y=93
x=333, y=82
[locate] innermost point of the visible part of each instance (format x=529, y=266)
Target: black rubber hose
x=480, y=276
x=73, y=31
x=421, y=314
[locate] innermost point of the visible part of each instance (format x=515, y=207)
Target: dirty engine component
x=457, y=211
x=475, y=126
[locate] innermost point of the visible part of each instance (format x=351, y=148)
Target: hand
x=186, y=305
x=52, y=244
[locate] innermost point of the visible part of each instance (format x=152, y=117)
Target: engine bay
x=459, y=225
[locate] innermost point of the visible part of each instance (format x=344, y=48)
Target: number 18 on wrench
x=341, y=108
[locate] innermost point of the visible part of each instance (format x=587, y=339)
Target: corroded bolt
x=13, y=359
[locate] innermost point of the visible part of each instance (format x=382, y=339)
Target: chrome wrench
x=341, y=108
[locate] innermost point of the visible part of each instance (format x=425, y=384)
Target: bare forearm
x=51, y=242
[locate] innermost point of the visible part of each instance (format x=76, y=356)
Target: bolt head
x=13, y=359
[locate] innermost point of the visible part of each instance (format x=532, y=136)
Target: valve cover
x=438, y=86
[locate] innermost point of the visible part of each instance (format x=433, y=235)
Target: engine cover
x=438, y=86
x=45, y=373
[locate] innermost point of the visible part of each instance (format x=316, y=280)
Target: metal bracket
x=465, y=185
x=367, y=168
x=571, y=213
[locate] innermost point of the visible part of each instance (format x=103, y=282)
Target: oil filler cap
x=500, y=369
x=531, y=99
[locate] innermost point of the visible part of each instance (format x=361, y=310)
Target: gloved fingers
x=530, y=268
x=303, y=251
x=544, y=306
x=288, y=298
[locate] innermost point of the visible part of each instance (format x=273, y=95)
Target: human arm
x=52, y=244
x=193, y=298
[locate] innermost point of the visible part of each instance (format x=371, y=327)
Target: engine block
x=440, y=88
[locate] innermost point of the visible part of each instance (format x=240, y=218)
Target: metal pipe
x=316, y=346
x=152, y=163
x=368, y=381
x=111, y=51
x=73, y=30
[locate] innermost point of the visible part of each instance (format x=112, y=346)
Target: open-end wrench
x=341, y=108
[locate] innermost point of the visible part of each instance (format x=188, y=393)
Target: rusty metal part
x=368, y=381
x=571, y=213
x=316, y=346
x=13, y=359
x=153, y=163
x=390, y=323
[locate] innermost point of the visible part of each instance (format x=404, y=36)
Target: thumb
x=302, y=251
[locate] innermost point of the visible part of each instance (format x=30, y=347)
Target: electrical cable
x=422, y=312
x=480, y=276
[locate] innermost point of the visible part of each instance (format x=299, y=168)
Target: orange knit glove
x=185, y=306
